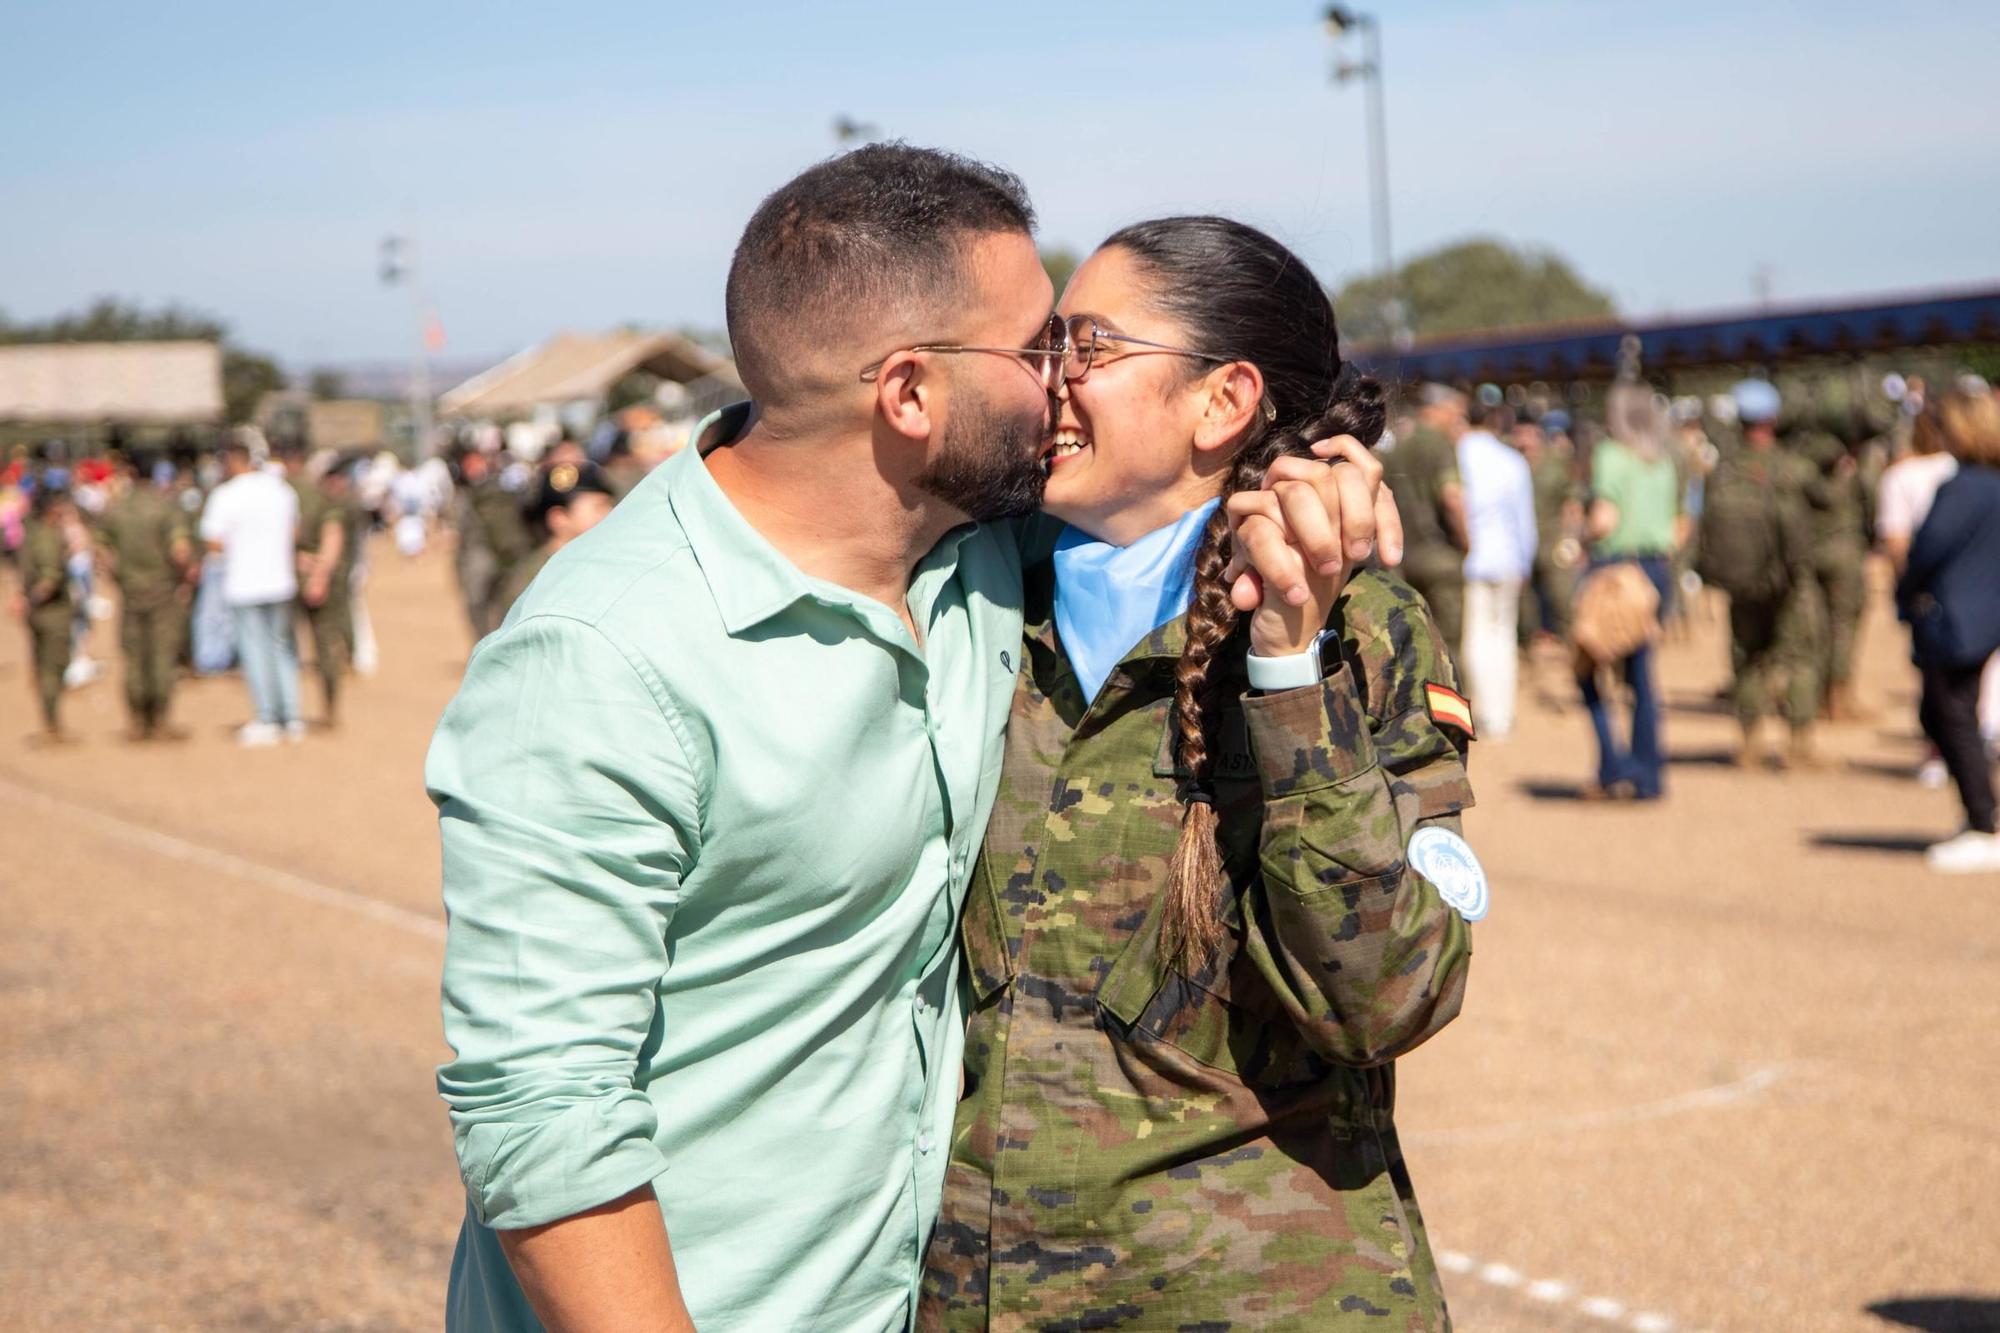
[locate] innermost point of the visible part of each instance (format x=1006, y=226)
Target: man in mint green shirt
x=709, y=797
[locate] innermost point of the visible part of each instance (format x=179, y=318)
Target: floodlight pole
x=399, y=265
x=1339, y=20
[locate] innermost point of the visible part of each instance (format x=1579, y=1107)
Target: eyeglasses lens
x=1082, y=338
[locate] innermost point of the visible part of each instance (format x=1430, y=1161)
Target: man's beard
x=988, y=466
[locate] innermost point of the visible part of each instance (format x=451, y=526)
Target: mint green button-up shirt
x=707, y=824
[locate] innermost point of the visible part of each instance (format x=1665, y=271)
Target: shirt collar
x=749, y=578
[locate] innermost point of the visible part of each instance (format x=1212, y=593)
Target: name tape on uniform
x=1443, y=858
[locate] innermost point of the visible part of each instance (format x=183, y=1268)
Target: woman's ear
x=1233, y=398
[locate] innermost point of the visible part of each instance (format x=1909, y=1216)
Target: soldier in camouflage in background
x=1842, y=510
x=332, y=526
x=1421, y=471
x=148, y=544
x=493, y=535
x=1756, y=545
x=1221, y=891
x=45, y=603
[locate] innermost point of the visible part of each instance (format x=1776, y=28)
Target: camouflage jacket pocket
x=1221, y=1017
x=989, y=962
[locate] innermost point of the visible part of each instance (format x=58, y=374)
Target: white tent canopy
x=575, y=367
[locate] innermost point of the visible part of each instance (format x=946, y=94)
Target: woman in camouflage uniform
x=1207, y=918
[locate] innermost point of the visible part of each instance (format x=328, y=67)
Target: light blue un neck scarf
x=1110, y=597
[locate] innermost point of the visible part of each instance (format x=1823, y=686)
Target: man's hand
x=606, y=1270
x=315, y=590
x=1299, y=538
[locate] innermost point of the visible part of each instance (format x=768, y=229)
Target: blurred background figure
x=1421, y=471
x=45, y=603
x=332, y=527
x=1950, y=595
x=1500, y=527
x=570, y=500
x=147, y=545
x=1842, y=510
x=1634, y=524
x=80, y=565
x=1558, y=523
x=251, y=528
x=1756, y=546
x=1903, y=501
x=492, y=533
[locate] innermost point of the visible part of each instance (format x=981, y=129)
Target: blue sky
x=578, y=167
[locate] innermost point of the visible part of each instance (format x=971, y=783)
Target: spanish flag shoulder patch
x=1448, y=708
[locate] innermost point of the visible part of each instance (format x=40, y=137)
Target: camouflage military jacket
x=44, y=575
x=141, y=530
x=1142, y=1149
x=1418, y=471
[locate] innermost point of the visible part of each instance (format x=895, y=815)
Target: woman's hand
x=1298, y=539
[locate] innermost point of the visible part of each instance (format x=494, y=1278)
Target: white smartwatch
x=1290, y=672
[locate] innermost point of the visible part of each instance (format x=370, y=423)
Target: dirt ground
x=1726, y=1063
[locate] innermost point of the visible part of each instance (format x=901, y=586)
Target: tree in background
x=326, y=385
x=246, y=376
x=1060, y=263
x=1468, y=286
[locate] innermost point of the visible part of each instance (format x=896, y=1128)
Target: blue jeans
x=1640, y=763
x=270, y=655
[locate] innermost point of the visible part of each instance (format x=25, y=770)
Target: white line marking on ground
x=1549, y=1291
x=1700, y=1099
x=253, y=872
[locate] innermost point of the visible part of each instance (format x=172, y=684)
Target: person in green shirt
x=147, y=544
x=44, y=602
x=1223, y=888
x=709, y=798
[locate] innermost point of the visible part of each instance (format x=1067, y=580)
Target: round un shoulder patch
x=1443, y=858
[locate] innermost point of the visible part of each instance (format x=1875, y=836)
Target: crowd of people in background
x=1528, y=528
x=230, y=558
x=1525, y=527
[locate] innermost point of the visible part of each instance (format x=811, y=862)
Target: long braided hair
x=1237, y=294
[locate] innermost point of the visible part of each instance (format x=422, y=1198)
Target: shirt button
x=923, y=1005
x=924, y=1141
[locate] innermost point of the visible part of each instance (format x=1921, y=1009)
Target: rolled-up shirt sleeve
x=569, y=818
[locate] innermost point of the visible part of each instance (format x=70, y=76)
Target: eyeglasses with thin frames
x=1045, y=360
x=1068, y=352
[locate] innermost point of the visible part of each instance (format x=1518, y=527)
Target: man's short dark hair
x=870, y=233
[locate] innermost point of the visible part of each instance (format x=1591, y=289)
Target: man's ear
x=905, y=396
x=1233, y=395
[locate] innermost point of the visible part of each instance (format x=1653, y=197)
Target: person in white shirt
x=251, y=525
x=1500, y=519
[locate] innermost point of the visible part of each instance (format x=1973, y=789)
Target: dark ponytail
x=1237, y=294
